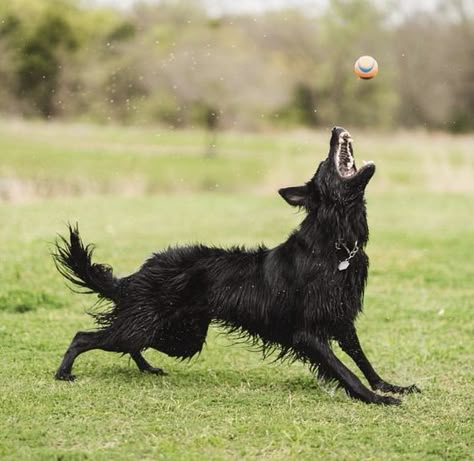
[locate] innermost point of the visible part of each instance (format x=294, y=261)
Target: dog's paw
x=413, y=389
x=386, y=387
x=387, y=400
x=64, y=376
x=156, y=371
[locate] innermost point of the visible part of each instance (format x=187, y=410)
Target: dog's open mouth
x=344, y=158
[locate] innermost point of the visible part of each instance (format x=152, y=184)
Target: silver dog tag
x=343, y=265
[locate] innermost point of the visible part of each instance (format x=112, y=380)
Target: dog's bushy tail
x=74, y=261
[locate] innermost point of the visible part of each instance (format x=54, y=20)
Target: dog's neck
x=332, y=224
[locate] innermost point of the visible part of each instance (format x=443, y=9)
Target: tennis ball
x=366, y=67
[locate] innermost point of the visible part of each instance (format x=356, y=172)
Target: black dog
x=295, y=298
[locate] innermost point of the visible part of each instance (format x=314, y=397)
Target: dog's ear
x=295, y=196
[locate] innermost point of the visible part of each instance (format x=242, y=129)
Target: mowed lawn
x=227, y=403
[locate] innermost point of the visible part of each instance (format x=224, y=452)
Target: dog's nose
x=335, y=133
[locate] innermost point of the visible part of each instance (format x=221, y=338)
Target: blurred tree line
x=172, y=62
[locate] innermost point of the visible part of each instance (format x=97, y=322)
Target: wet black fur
x=291, y=298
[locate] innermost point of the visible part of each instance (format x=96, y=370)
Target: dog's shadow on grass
x=185, y=378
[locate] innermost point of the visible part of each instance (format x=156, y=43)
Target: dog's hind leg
x=143, y=365
x=349, y=342
x=320, y=355
x=83, y=341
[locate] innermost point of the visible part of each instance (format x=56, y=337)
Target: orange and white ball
x=366, y=67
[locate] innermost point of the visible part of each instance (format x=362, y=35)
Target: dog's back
x=180, y=291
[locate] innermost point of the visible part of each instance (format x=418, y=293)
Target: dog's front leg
x=349, y=342
x=321, y=356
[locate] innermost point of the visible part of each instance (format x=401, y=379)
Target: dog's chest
x=329, y=288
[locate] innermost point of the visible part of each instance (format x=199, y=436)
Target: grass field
x=41, y=160
x=228, y=403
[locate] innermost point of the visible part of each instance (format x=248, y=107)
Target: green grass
x=227, y=403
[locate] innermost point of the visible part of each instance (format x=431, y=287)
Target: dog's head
x=337, y=179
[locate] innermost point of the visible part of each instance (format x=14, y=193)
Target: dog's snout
x=336, y=132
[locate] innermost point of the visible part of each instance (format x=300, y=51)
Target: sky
x=225, y=6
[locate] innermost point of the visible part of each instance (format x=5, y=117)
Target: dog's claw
x=413, y=389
